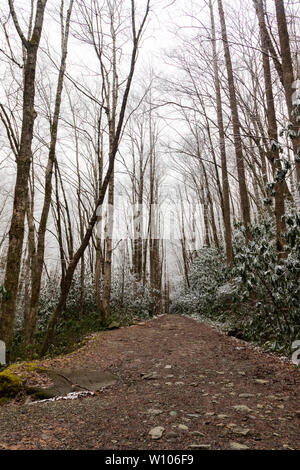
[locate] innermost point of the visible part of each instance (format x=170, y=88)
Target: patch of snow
x=69, y=396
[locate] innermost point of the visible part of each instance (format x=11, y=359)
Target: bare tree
x=273, y=132
x=66, y=284
x=23, y=161
x=38, y=261
x=225, y=180
x=245, y=206
x=288, y=77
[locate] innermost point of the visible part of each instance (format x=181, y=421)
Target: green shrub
x=208, y=272
x=260, y=296
x=129, y=300
x=269, y=291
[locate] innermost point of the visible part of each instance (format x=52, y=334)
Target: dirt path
x=205, y=389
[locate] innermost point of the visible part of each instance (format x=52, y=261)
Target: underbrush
x=258, y=299
x=130, y=302
x=69, y=336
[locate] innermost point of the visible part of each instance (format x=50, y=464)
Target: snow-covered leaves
x=207, y=274
x=270, y=287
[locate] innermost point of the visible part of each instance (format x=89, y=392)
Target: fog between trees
x=141, y=140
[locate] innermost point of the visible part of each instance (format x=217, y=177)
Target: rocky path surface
x=180, y=385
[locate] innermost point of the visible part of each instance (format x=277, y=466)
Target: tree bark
x=38, y=262
x=23, y=159
x=288, y=76
x=244, y=198
x=225, y=181
x=115, y=145
x=273, y=133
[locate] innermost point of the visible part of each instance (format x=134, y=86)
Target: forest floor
x=198, y=387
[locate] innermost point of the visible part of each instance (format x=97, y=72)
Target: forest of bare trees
x=150, y=154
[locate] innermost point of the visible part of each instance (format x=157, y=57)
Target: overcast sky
x=169, y=21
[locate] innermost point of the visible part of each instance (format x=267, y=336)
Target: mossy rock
x=24, y=369
x=33, y=366
x=10, y=384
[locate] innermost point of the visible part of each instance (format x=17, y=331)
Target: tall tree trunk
x=99, y=252
x=272, y=131
x=183, y=246
x=98, y=271
x=244, y=198
x=108, y=254
x=225, y=180
x=154, y=254
x=30, y=324
x=288, y=76
x=23, y=159
x=114, y=149
x=138, y=229
x=205, y=217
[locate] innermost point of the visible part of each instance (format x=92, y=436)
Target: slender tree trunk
x=139, y=225
x=288, y=76
x=184, y=248
x=273, y=133
x=154, y=254
x=24, y=158
x=99, y=251
x=30, y=324
x=109, y=250
x=115, y=145
x=98, y=271
x=244, y=198
x=205, y=218
x=225, y=180
x=57, y=218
